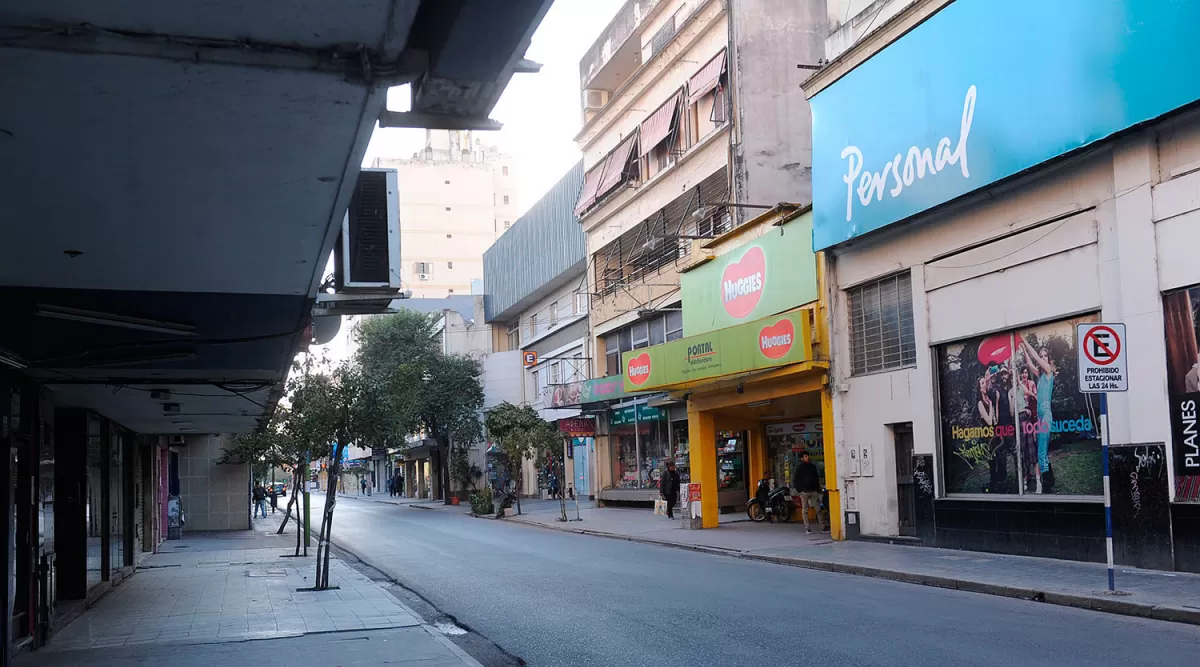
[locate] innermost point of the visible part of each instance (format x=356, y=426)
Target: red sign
x=742, y=283
x=693, y=492
x=577, y=426
x=775, y=341
x=1102, y=345
x=638, y=370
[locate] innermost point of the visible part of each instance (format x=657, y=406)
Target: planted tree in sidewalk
x=438, y=396
x=522, y=435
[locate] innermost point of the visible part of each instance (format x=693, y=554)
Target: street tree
x=334, y=405
x=522, y=435
x=436, y=395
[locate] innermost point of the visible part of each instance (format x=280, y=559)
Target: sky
x=541, y=113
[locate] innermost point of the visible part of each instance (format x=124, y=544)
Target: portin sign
x=1102, y=364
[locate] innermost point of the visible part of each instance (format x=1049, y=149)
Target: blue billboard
x=985, y=89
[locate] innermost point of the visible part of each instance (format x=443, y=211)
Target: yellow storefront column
x=702, y=459
x=836, y=530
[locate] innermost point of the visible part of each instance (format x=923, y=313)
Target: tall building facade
x=457, y=196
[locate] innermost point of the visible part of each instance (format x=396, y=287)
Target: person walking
x=668, y=486
x=273, y=494
x=260, y=504
x=362, y=485
x=807, y=480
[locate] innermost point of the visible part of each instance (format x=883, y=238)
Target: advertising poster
x=1012, y=418
x=1181, y=312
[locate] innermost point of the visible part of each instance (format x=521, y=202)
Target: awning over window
x=614, y=166
x=591, y=181
x=658, y=125
x=703, y=82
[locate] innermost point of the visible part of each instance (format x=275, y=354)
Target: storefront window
x=787, y=441
x=650, y=443
x=1181, y=310
x=95, y=541
x=1012, y=418
x=731, y=461
x=679, y=430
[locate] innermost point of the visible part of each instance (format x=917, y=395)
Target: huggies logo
x=776, y=340
x=638, y=370
x=742, y=283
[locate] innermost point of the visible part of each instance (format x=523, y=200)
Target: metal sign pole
x=1108, y=524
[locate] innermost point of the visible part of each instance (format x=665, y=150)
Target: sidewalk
x=214, y=589
x=1170, y=596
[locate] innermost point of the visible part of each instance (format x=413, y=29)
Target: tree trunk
x=520, y=483
x=335, y=472
x=291, y=501
x=443, y=447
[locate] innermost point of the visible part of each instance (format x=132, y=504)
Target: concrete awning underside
x=190, y=165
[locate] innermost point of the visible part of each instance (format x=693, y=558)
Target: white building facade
x=968, y=230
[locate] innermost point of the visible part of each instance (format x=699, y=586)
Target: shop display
x=649, y=443
x=681, y=451
x=731, y=461
x=787, y=441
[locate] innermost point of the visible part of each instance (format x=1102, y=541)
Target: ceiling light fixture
x=758, y=404
x=110, y=320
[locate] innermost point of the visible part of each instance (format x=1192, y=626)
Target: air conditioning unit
x=594, y=100
x=424, y=276
x=367, y=257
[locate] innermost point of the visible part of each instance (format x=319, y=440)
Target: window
x=881, y=325
x=612, y=355
x=507, y=224
x=505, y=199
x=662, y=37
x=539, y=383
x=424, y=270
x=449, y=236
x=514, y=335
x=449, y=265
x=640, y=333
x=447, y=182
x=451, y=290
x=581, y=303
x=447, y=208
x=533, y=325
x=556, y=373
x=504, y=170
x=674, y=324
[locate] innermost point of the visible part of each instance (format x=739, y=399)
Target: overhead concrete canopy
x=173, y=177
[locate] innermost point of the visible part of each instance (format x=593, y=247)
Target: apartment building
x=693, y=123
x=458, y=196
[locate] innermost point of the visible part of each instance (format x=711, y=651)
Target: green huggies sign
x=771, y=274
x=765, y=343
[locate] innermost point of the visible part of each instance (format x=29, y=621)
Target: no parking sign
x=1102, y=364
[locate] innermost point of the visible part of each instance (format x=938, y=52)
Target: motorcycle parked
x=775, y=505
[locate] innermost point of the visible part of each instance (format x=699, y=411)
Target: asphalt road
x=562, y=599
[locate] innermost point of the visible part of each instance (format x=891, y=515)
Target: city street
x=556, y=598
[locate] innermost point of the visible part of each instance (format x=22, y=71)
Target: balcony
x=617, y=53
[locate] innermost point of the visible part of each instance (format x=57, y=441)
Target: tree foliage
x=435, y=395
x=521, y=434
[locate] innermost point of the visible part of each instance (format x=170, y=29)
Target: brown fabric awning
x=709, y=76
x=614, y=166
x=591, y=181
x=658, y=125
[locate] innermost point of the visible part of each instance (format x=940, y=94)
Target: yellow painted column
x=757, y=452
x=702, y=459
x=836, y=530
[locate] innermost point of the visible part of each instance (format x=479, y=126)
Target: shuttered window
x=881, y=325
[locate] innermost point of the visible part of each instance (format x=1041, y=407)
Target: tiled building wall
x=213, y=496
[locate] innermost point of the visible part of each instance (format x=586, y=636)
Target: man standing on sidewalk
x=668, y=486
x=260, y=498
x=807, y=480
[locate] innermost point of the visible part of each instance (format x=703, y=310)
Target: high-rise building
x=458, y=195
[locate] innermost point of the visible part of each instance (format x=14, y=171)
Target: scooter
x=766, y=503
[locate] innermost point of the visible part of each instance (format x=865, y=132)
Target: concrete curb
x=1108, y=605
